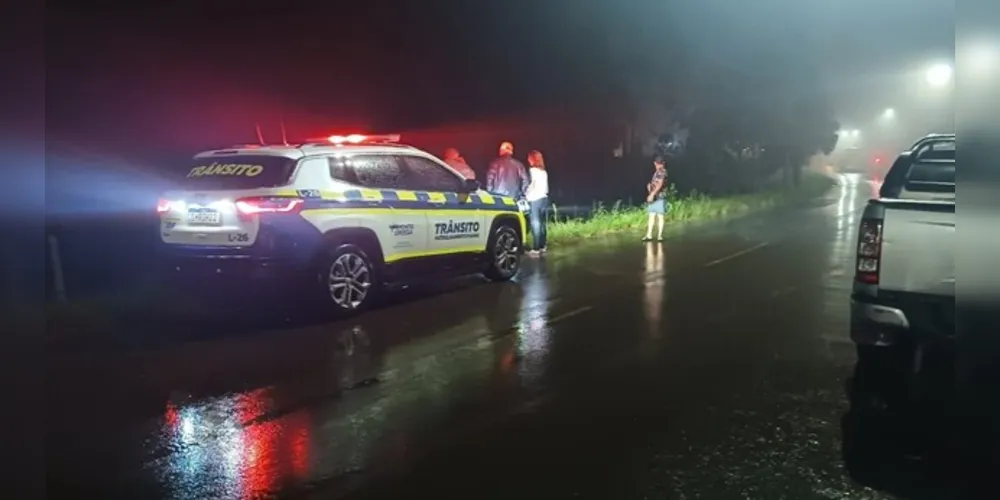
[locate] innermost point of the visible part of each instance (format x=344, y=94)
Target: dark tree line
x=727, y=129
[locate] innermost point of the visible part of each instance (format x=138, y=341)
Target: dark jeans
x=538, y=219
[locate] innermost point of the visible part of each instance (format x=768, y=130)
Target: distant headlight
x=523, y=205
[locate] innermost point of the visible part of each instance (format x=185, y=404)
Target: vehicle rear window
x=925, y=173
x=924, y=179
x=930, y=180
x=371, y=171
x=238, y=172
x=942, y=172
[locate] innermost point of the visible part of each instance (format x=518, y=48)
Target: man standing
x=507, y=176
x=455, y=161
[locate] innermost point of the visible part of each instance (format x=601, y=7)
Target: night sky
x=370, y=64
x=183, y=73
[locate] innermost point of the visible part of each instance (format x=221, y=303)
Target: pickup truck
x=903, y=296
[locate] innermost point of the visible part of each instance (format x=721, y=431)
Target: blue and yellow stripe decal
x=401, y=199
x=377, y=200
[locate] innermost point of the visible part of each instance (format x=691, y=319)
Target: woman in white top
x=537, y=195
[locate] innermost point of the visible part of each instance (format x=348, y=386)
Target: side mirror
x=470, y=186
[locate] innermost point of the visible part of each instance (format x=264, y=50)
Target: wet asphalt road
x=712, y=365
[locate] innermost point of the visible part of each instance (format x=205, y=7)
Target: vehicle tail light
x=162, y=206
x=869, y=251
x=249, y=207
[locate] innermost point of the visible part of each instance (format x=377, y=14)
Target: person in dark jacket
x=455, y=161
x=507, y=176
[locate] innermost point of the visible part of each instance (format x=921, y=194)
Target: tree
x=726, y=125
x=798, y=129
x=760, y=121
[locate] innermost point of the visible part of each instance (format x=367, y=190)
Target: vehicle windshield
x=237, y=172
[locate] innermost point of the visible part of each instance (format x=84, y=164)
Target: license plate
x=204, y=217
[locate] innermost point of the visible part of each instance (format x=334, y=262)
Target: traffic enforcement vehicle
x=345, y=216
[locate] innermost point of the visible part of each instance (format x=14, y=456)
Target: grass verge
x=695, y=207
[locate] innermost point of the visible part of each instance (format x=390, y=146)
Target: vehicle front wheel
x=504, y=253
x=348, y=280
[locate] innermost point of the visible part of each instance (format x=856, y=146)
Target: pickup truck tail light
x=869, y=251
x=250, y=207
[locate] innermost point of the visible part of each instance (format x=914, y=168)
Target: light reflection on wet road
x=712, y=364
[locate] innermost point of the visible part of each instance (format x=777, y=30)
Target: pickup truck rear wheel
x=348, y=280
x=883, y=378
x=504, y=253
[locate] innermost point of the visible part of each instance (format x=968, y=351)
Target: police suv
x=346, y=215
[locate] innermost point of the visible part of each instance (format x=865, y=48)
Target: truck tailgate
x=918, y=247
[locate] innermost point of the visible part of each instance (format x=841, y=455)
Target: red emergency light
x=353, y=139
x=361, y=138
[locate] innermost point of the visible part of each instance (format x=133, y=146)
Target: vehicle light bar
x=361, y=139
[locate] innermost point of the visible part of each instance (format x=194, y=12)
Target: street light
x=939, y=75
x=888, y=118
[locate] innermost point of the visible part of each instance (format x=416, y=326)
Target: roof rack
x=390, y=140
x=259, y=146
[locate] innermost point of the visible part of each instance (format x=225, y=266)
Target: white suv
x=349, y=214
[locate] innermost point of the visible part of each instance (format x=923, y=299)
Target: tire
x=504, y=253
x=882, y=379
x=348, y=281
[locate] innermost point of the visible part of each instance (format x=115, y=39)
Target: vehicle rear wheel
x=882, y=378
x=348, y=279
x=504, y=253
